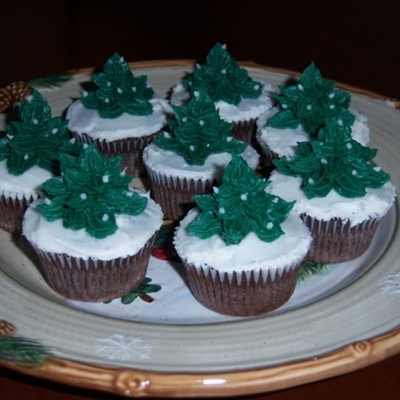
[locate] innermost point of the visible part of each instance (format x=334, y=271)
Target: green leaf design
x=144, y=288
x=311, y=268
x=23, y=351
x=51, y=81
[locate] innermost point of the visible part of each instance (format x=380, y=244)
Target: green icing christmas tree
x=240, y=206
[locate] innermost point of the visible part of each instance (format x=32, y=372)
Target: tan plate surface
x=353, y=327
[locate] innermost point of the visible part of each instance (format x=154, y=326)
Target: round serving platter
x=339, y=319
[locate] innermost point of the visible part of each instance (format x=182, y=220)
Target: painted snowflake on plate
x=391, y=284
x=123, y=347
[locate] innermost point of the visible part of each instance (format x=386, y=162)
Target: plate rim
x=134, y=382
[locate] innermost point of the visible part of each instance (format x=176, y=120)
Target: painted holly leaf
x=22, y=351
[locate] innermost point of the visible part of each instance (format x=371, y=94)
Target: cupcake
x=241, y=247
x=29, y=155
x=340, y=194
x=93, y=233
x=302, y=109
x=237, y=96
x=121, y=116
x=190, y=157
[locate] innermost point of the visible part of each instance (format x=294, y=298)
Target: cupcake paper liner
x=335, y=241
x=267, y=155
x=243, y=295
x=130, y=148
x=94, y=280
x=245, y=131
x=176, y=195
x=12, y=210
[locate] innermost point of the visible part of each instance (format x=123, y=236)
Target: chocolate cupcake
x=340, y=194
x=302, y=108
x=93, y=234
x=29, y=155
x=242, y=248
x=239, y=99
x=189, y=158
x=121, y=116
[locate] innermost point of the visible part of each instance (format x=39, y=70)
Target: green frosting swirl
x=34, y=140
x=89, y=193
x=240, y=205
x=310, y=103
x=334, y=161
x=222, y=78
x=197, y=131
x=119, y=91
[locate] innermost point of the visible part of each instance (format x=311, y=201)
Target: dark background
x=351, y=41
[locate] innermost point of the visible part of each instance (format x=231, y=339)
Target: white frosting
x=84, y=120
x=250, y=254
x=132, y=234
x=375, y=204
x=246, y=110
x=25, y=185
x=160, y=161
x=283, y=142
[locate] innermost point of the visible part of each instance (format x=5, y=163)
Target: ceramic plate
x=163, y=343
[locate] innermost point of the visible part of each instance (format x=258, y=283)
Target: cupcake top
x=36, y=139
x=310, y=103
x=333, y=176
x=122, y=104
x=198, y=142
x=240, y=224
x=196, y=131
x=30, y=153
x=90, y=210
x=237, y=96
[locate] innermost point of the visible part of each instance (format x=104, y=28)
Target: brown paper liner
x=94, y=280
x=12, y=212
x=335, y=241
x=245, y=131
x=176, y=195
x=241, y=296
x=130, y=148
x=267, y=155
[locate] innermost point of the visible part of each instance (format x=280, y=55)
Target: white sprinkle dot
x=107, y=100
x=377, y=169
x=349, y=146
x=354, y=172
x=223, y=71
x=167, y=135
x=215, y=189
x=311, y=181
x=55, y=130
x=133, y=88
x=324, y=161
x=270, y=225
x=300, y=86
x=191, y=147
x=105, y=178
x=309, y=107
x=119, y=90
x=340, y=121
x=184, y=119
x=26, y=156
x=332, y=106
x=243, y=197
x=257, y=86
x=83, y=196
x=196, y=93
x=84, y=94
x=105, y=217
x=275, y=200
x=284, y=106
x=332, y=95
x=108, y=83
x=201, y=122
x=221, y=210
x=229, y=138
x=35, y=121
